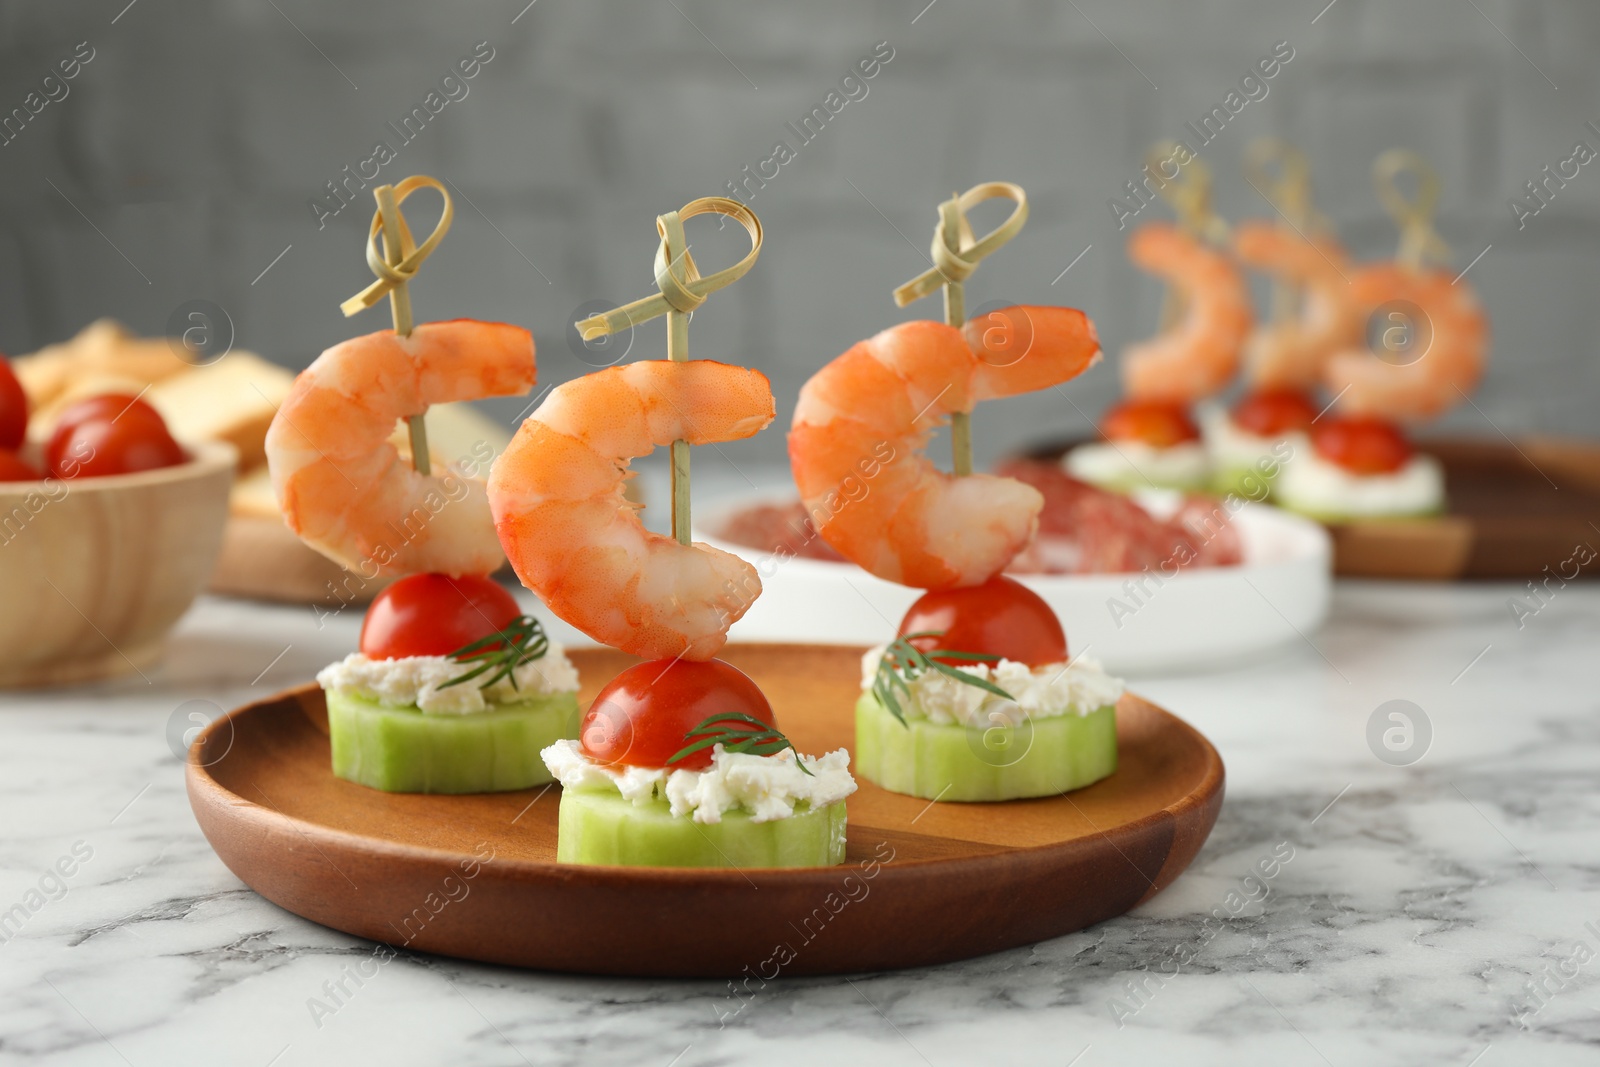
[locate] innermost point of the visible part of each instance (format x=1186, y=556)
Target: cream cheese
x=1135, y=464
x=768, y=787
x=1233, y=447
x=416, y=681
x=1075, y=688
x=1313, y=484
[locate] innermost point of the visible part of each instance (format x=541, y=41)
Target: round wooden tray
x=476, y=877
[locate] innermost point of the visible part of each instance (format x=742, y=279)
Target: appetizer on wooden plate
x=679, y=761
x=453, y=690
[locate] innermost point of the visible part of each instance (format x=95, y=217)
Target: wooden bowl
x=94, y=571
x=922, y=883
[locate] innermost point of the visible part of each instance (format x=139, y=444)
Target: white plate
x=1202, y=617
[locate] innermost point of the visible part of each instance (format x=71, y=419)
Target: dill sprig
x=502, y=652
x=737, y=732
x=903, y=663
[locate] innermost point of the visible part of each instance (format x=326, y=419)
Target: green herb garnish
x=903, y=663
x=502, y=652
x=749, y=735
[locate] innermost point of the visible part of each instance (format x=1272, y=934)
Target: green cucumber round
x=947, y=761
x=403, y=750
x=599, y=826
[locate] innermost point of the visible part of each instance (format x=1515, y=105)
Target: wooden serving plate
x=922, y=883
x=1515, y=508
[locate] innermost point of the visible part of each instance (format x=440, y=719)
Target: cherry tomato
x=1362, y=444
x=102, y=406
x=642, y=718
x=1158, y=423
x=134, y=440
x=1001, y=617
x=1275, y=412
x=13, y=408
x=13, y=468
x=435, y=615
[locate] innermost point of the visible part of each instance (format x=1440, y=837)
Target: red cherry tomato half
x=1158, y=423
x=435, y=615
x=1362, y=444
x=1275, y=412
x=1002, y=617
x=642, y=718
x=13, y=468
x=135, y=440
x=13, y=408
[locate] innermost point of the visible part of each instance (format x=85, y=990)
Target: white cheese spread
x=1135, y=465
x=768, y=787
x=1313, y=484
x=1075, y=688
x=416, y=681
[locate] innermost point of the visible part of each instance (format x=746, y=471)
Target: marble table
x=1438, y=905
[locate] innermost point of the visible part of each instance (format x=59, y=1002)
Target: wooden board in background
x=955, y=880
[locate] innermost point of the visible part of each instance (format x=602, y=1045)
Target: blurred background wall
x=184, y=158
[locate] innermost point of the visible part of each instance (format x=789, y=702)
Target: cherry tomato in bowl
x=1158, y=423
x=642, y=718
x=13, y=409
x=435, y=615
x=1275, y=412
x=1362, y=444
x=13, y=468
x=110, y=434
x=1002, y=617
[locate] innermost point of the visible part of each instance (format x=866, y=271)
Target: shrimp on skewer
x=1197, y=356
x=862, y=422
x=1290, y=354
x=1451, y=331
x=343, y=486
x=557, y=498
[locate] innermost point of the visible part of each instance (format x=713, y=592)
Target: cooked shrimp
x=1199, y=355
x=343, y=486
x=1451, y=331
x=1291, y=354
x=572, y=537
x=862, y=422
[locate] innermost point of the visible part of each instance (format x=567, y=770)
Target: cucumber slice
x=599, y=826
x=401, y=750
x=948, y=761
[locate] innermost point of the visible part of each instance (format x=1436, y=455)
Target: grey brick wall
x=182, y=160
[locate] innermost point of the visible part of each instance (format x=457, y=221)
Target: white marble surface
x=1403, y=930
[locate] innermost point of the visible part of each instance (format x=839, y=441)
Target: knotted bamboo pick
x=1189, y=194
x=682, y=290
x=395, y=265
x=956, y=254
x=1281, y=173
x=1419, y=241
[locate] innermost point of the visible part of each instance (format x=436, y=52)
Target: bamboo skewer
x=1189, y=194
x=1289, y=191
x=395, y=265
x=956, y=254
x=1419, y=240
x=682, y=289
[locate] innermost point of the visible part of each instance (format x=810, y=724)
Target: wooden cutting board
x=476, y=877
